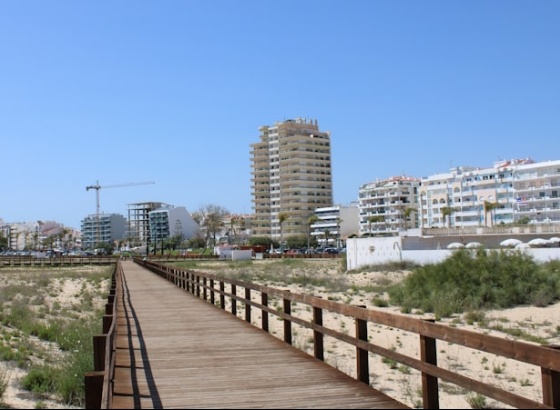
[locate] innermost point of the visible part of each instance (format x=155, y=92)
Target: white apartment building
x=388, y=206
x=102, y=228
x=513, y=191
x=291, y=174
x=335, y=224
x=171, y=222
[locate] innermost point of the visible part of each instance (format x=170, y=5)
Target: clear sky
x=174, y=92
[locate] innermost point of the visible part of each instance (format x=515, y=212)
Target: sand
x=398, y=381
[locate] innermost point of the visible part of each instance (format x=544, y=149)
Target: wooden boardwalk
x=177, y=351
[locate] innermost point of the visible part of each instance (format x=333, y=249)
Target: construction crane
x=97, y=187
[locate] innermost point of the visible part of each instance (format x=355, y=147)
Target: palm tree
x=409, y=210
x=374, y=219
x=338, y=223
x=282, y=217
x=446, y=212
x=489, y=208
x=310, y=221
x=232, y=224
x=327, y=234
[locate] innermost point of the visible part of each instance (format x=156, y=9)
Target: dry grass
x=39, y=308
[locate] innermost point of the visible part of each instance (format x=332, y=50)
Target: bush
x=472, y=281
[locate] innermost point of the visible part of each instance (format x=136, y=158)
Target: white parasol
x=510, y=242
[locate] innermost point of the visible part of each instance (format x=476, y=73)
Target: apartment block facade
x=102, y=228
x=513, y=191
x=291, y=175
x=139, y=220
x=388, y=206
x=334, y=224
x=171, y=222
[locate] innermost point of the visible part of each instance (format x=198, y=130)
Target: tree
x=282, y=217
x=310, y=221
x=240, y=221
x=327, y=235
x=338, y=223
x=489, y=209
x=211, y=218
x=296, y=241
x=3, y=242
x=374, y=219
x=35, y=237
x=232, y=233
x=264, y=241
x=64, y=232
x=104, y=248
x=446, y=213
x=407, y=212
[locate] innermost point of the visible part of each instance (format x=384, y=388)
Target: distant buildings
x=102, y=228
x=171, y=222
x=291, y=174
x=518, y=191
x=139, y=221
x=334, y=224
x=39, y=235
x=291, y=182
x=514, y=191
x=388, y=206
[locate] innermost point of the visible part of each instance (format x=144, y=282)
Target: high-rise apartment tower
x=291, y=175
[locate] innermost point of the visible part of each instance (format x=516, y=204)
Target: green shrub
x=477, y=280
x=41, y=379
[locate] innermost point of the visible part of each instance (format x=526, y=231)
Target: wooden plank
x=176, y=351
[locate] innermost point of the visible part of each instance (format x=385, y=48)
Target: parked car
x=332, y=251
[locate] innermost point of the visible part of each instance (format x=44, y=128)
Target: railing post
x=197, y=285
x=264, y=314
x=212, y=293
x=362, y=356
x=318, y=348
x=190, y=282
x=287, y=322
x=247, y=305
x=551, y=384
x=107, y=322
x=222, y=296
x=233, y=300
x=99, y=343
x=93, y=386
x=204, y=290
x=428, y=354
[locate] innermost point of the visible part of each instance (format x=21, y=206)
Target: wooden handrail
x=99, y=393
x=548, y=359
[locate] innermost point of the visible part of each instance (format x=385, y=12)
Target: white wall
x=362, y=252
x=372, y=251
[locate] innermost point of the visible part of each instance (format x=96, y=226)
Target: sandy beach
x=396, y=380
x=402, y=382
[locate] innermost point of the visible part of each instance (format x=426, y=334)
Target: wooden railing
x=30, y=261
x=98, y=384
x=212, y=288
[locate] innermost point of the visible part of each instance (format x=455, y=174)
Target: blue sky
x=174, y=92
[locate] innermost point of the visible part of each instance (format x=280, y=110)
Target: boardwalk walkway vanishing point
x=174, y=350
